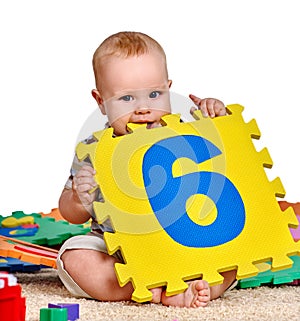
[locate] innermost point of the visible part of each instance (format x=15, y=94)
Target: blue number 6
x=168, y=195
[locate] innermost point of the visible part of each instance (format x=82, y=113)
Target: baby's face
x=135, y=90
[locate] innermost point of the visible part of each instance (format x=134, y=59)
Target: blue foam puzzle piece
x=12, y=265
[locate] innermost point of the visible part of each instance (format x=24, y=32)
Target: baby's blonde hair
x=124, y=44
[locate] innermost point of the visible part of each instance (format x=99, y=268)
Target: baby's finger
x=203, y=107
x=86, y=199
x=83, y=188
x=220, y=109
x=83, y=184
x=86, y=171
x=210, y=107
x=196, y=100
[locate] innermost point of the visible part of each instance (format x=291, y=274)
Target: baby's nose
x=142, y=110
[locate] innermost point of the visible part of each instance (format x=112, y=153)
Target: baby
x=132, y=86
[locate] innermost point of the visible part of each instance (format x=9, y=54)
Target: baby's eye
x=154, y=94
x=126, y=98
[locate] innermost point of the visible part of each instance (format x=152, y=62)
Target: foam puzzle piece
x=13, y=265
x=296, y=232
x=36, y=251
x=13, y=222
x=189, y=200
x=27, y=252
x=296, y=206
x=50, y=232
x=54, y=213
x=19, y=231
x=295, y=282
x=266, y=276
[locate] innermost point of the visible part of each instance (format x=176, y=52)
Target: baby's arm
x=209, y=106
x=75, y=204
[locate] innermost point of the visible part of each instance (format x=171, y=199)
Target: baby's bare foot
x=196, y=295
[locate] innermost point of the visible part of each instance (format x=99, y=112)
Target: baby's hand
x=83, y=183
x=209, y=106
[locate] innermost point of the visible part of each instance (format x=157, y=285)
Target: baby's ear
x=99, y=100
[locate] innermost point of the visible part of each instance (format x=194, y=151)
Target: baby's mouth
x=150, y=125
x=153, y=124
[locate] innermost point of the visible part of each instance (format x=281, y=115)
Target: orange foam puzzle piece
x=27, y=252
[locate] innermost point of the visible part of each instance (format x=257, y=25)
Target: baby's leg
x=156, y=295
x=94, y=273
x=217, y=290
x=87, y=271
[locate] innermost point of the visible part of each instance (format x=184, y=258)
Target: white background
x=244, y=52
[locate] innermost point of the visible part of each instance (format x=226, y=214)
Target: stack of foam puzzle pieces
x=29, y=242
x=286, y=276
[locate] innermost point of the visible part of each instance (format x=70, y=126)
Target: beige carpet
x=280, y=303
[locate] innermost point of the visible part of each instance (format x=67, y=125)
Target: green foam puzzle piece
x=50, y=232
x=276, y=278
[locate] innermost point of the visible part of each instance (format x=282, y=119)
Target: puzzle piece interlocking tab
x=189, y=200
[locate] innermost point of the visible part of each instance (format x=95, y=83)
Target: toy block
x=53, y=314
x=266, y=276
x=73, y=309
x=27, y=252
x=50, y=231
x=12, y=304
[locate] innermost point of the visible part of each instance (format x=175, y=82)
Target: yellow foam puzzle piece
x=189, y=200
x=13, y=222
